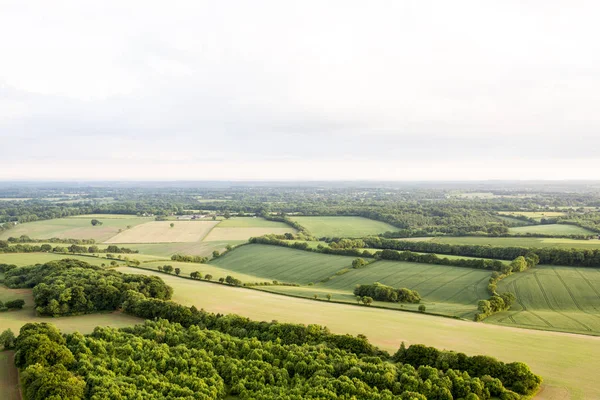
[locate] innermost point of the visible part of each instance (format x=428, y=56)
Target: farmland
x=554, y=298
x=513, y=242
x=537, y=215
x=282, y=264
x=73, y=228
x=550, y=229
x=237, y=229
x=568, y=368
x=343, y=226
x=21, y=259
x=163, y=232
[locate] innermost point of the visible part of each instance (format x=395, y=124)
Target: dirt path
x=9, y=378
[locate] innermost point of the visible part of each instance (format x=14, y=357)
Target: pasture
x=243, y=228
x=553, y=298
x=568, y=362
x=513, y=241
x=279, y=263
x=350, y=227
x=162, y=232
x=73, y=228
x=550, y=229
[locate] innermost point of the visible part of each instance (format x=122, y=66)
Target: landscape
x=299, y=200
x=379, y=268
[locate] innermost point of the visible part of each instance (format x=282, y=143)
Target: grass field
x=216, y=272
x=568, y=362
x=166, y=250
x=537, y=215
x=162, y=232
x=21, y=259
x=243, y=228
x=550, y=229
x=73, y=228
x=282, y=264
x=510, y=242
x=554, y=298
x=343, y=226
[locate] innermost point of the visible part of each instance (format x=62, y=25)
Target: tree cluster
x=68, y=287
x=189, y=259
x=381, y=292
x=16, y=304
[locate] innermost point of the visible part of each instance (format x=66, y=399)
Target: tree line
x=381, y=292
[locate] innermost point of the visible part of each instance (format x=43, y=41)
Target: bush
x=422, y=308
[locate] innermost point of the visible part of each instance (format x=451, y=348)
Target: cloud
x=261, y=88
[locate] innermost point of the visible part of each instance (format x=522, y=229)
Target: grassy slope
x=73, y=228
x=216, y=272
x=282, y=264
x=162, y=232
x=550, y=229
x=517, y=242
x=564, y=360
x=343, y=226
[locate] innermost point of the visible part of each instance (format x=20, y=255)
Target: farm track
x=589, y=283
x=587, y=328
x=473, y=286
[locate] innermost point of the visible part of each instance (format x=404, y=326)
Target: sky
x=299, y=90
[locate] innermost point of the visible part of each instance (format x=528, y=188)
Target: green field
x=568, y=362
x=343, y=226
x=216, y=272
x=166, y=250
x=282, y=264
x=554, y=298
x=252, y=222
x=73, y=228
x=513, y=242
x=550, y=229
x=21, y=259
x=537, y=215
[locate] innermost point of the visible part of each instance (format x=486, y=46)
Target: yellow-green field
x=21, y=259
x=73, y=228
x=550, y=229
x=162, y=232
x=243, y=228
x=513, y=242
x=568, y=362
x=343, y=226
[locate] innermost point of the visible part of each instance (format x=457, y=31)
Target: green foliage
x=7, y=339
x=74, y=287
x=382, y=292
x=190, y=259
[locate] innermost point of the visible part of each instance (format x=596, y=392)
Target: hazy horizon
x=311, y=91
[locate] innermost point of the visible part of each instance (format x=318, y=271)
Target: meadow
x=74, y=228
x=550, y=229
x=513, y=241
x=343, y=226
x=568, y=362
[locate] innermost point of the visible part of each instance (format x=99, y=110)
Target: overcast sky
x=382, y=90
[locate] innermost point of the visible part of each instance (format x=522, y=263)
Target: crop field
x=243, y=228
x=216, y=272
x=537, y=215
x=550, y=229
x=554, y=298
x=21, y=259
x=73, y=228
x=444, y=289
x=282, y=264
x=516, y=241
x=343, y=226
x=564, y=360
x=166, y=250
x=162, y=232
